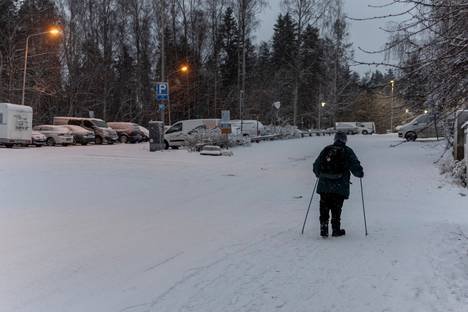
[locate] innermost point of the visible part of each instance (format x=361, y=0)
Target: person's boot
x=324, y=229
x=337, y=231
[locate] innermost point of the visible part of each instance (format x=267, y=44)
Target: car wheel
x=65, y=144
x=50, y=142
x=166, y=145
x=98, y=140
x=84, y=143
x=110, y=142
x=411, y=136
x=365, y=132
x=9, y=145
x=175, y=147
x=38, y=145
x=123, y=139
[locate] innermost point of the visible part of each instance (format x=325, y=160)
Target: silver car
x=55, y=134
x=420, y=127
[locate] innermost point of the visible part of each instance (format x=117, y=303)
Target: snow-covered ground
x=116, y=228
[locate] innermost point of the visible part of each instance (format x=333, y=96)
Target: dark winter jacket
x=339, y=186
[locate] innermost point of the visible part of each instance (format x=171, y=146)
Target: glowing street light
x=407, y=111
x=184, y=69
x=54, y=32
x=425, y=111
x=320, y=114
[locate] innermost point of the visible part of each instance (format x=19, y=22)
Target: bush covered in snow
x=198, y=139
x=454, y=168
x=283, y=132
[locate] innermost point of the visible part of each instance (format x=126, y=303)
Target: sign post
x=157, y=128
x=225, y=125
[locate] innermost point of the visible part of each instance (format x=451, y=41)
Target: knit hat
x=340, y=136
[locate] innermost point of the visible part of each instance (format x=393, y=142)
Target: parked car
x=127, y=131
x=38, y=139
x=250, y=128
x=177, y=134
x=145, y=132
x=55, y=134
x=420, y=127
x=81, y=135
x=15, y=124
x=102, y=132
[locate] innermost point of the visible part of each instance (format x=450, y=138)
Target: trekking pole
x=308, y=209
x=363, y=208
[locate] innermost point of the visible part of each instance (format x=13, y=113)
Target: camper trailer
x=15, y=124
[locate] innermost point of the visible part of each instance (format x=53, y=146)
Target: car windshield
x=100, y=123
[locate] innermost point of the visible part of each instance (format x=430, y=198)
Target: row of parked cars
x=76, y=130
x=16, y=129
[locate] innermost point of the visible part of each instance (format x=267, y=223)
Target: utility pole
x=392, y=82
x=242, y=88
x=163, y=50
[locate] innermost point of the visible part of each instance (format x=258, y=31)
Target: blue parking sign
x=162, y=91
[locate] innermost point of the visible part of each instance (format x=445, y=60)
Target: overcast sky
x=366, y=34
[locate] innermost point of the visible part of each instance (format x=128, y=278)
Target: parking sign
x=162, y=91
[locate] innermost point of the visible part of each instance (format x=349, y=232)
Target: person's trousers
x=333, y=203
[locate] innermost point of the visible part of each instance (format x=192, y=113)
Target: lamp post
x=392, y=82
x=183, y=69
x=54, y=32
x=321, y=105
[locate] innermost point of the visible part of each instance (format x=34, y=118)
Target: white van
x=15, y=124
x=367, y=127
x=176, y=135
x=252, y=128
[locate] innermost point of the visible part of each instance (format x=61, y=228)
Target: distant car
x=127, y=131
x=81, y=135
x=145, y=133
x=38, y=139
x=55, y=134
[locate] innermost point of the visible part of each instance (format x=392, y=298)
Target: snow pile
x=454, y=168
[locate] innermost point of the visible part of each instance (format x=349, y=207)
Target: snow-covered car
x=38, y=139
x=211, y=150
x=55, y=134
x=102, y=132
x=127, y=131
x=145, y=133
x=81, y=135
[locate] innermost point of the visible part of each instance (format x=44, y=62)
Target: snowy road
x=116, y=228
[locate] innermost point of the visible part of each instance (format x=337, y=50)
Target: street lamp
x=54, y=32
x=321, y=106
x=182, y=69
x=392, y=82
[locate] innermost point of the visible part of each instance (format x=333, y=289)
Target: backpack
x=333, y=162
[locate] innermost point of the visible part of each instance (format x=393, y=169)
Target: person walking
x=333, y=167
